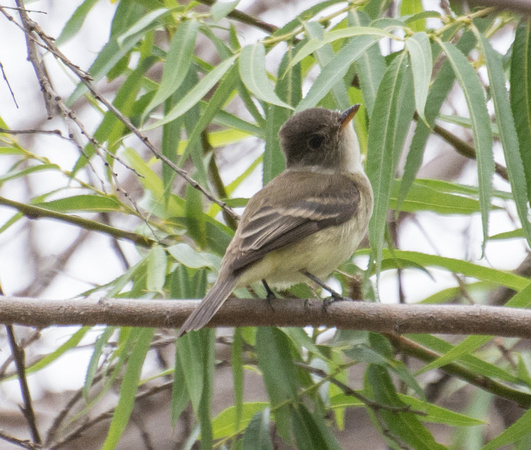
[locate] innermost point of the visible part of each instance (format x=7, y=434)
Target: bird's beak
x=347, y=115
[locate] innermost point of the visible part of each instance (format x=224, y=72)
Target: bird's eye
x=315, y=141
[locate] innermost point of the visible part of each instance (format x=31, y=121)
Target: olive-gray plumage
x=310, y=218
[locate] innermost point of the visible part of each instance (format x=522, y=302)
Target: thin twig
x=38, y=66
x=8, y=85
x=27, y=409
x=24, y=443
x=87, y=81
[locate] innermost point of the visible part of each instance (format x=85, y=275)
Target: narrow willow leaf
x=508, y=136
x=440, y=89
x=92, y=203
x=421, y=197
x=209, y=362
x=146, y=22
x=188, y=256
x=480, y=367
x=220, y=9
x=335, y=70
x=404, y=426
x=370, y=67
x=197, y=93
x=315, y=44
x=128, y=388
x=471, y=85
x=419, y=50
x=75, y=22
x=223, y=424
x=157, y=262
x=257, y=435
x=305, y=16
x=471, y=343
x=310, y=430
x=516, y=431
x=217, y=101
x=178, y=61
x=393, y=111
x=521, y=94
x=437, y=414
x=411, y=8
x=498, y=277
x=275, y=360
x=254, y=75
x=116, y=49
x=237, y=377
x=102, y=340
x=51, y=357
x=324, y=56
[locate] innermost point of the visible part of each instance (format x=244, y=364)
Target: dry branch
x=393, y=319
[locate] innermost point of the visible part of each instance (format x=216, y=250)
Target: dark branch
x=27, y=409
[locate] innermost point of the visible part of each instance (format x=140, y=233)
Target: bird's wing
x=319, y=201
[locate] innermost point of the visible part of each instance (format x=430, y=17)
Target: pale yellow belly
x=319, y=254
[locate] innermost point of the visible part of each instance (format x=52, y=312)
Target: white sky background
x=454, y=236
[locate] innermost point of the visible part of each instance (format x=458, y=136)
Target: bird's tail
x=210, y=305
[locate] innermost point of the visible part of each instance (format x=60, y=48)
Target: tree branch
x=35, y=212
x=396, y=319
x=27, y=409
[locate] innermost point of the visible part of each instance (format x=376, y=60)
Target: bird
x=306, y=221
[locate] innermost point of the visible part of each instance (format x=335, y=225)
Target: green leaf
x=471, y=343
x=217, y=101
x=440, y=89
x=102, y=340
x=515, y=432
x=405, y=426
x=471, y=362
x=51, y=357
x=129, y=387
x=508, y=136
x=498, y=277
x=178, y=60
x=197, y=93
x=224, y=423
x=419, y=50
x=315, y=44
x=521, y=94
x=189, y=257
x=84, y=203
x=471, y=85
x=75, y=22
x=117, y=48
x=370, y=67
x=424, y=198
x=335, y=70
x=310, y=431
x=220, y=9
x=254, y=75
x=237, y=377
x=393, y=111
x=414, y=7
x=12, y=175
x=275, y=360
x=156, y=269
x=257, y=435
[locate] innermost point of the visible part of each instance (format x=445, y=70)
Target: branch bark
x=393, y=319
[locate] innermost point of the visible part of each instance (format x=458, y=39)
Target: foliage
x=404, y=69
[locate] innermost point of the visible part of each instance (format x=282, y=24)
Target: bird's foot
x=270, y=294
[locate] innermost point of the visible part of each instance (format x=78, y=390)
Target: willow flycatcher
x=307, y=220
